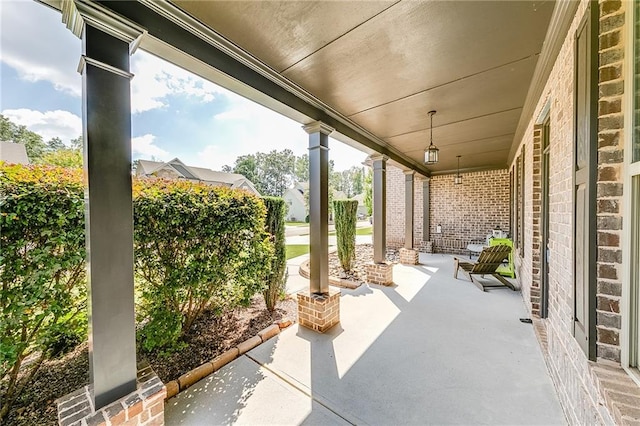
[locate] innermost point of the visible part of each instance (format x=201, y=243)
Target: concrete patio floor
x=430, y=350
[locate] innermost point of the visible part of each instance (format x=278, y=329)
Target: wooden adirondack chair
x=489, y=260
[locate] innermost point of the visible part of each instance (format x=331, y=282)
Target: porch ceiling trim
x=167, y=23
x=561, y=19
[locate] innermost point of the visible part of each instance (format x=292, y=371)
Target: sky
x=174, y=113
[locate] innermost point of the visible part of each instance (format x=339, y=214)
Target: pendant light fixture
x=431, y=153
x=458, y=179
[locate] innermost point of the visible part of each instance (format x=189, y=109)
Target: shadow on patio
x=431, y=349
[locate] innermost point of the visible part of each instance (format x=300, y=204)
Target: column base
x=380, y=273
x=145, y=406
x=319, y=312
x=409, y=256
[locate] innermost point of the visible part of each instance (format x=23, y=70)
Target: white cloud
x=144, y=147
x=156, y=79
x=51, y=53
x=214, y=157
x=45, y=54
x=253, y=128
x=48, y=124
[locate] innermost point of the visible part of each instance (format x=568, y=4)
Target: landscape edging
x=334, y=281
x=191, y=377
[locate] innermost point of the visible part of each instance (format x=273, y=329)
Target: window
x=521, y=195
x=517, y=203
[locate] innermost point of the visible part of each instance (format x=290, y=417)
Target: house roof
x=15, y=153
x=235, y=180
x=339, y=195
x=359, y=198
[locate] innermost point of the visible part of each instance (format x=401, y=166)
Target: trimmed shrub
x=42, y=270
x=346, y=212
x=276, y=211
x=197, y=248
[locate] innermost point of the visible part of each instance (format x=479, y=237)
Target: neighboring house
x=339, y=195
x=14, y=153
x=297, y=204
x=297, y=207
x=176, y=169
x=362, y=208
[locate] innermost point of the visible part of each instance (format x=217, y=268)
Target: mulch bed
x=364, y=255
x=209, y=337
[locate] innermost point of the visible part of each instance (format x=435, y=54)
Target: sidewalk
x=430, y=350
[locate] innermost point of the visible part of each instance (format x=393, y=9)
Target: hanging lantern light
x=458, y=179
x=431, y=153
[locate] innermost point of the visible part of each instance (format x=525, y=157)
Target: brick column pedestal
x=380, y=273
x=319, y=312
x=409, y=256
x=145, y=406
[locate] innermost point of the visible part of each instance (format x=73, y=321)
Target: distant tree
x=301, y=171
x=276, y=170
x=368, y=191
x=247, y=166
x=357, y=180
x=77, y=143
x=12, y=132
x=55, y=144
x=348, y=181
x=271, y=173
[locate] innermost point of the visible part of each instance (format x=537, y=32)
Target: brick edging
x=334, y=281
x=191, y=377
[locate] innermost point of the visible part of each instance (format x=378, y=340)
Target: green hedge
x=276, y=284
x=197, y=248
x=346, y=212
x=42, y=269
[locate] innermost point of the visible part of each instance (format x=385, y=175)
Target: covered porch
x=431, y=349
x=369, y=77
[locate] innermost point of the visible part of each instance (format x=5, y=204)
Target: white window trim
x=629, y=171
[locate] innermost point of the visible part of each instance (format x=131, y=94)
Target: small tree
x=42, y=270
x=275, y=227
x=346, y=212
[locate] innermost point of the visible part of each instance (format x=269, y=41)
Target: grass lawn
x=364, y=231
x=295, y=250
x=296, y=224
x=359, y=231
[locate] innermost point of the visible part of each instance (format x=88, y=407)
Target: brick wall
x=580, y=393
x=480, y=204
x=396, y=210
x=395, y=207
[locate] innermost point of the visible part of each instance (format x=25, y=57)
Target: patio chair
x=489, y=260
